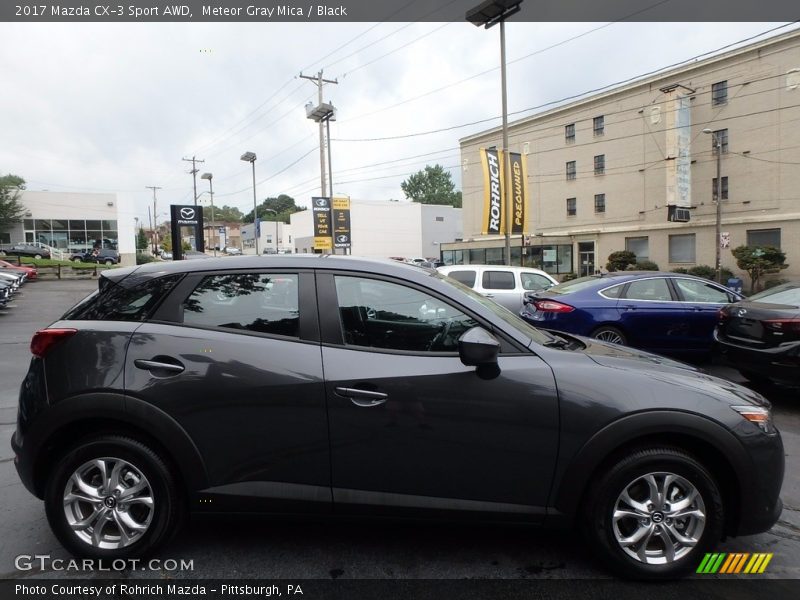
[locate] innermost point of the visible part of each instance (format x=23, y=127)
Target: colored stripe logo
x=734, y=563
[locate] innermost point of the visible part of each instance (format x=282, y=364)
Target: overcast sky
x=114, y=107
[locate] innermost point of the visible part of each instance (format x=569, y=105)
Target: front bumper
x=760, y=504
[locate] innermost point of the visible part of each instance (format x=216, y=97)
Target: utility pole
x=319, y=81
x=194, y=162
x=155, y=219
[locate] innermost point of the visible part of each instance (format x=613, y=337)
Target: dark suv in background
x=314, y=384
x=98, y=255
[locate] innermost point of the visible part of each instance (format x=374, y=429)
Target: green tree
x=283, y=205
x=225, y=214
x=433, y=185
x=759, y=260
x=141, y=240
x=619, y=260
x=11, y=209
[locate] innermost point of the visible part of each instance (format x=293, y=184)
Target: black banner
x=342, y=236
x=493, y=205
x=185, y=216
x=323, y=230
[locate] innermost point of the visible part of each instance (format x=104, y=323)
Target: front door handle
x=362, y=398
x=156, y=365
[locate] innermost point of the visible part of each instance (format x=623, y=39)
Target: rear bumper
x=780, y=363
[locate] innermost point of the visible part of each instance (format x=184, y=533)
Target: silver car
x=505, y=285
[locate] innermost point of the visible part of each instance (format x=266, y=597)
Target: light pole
x=274, y=212
x=488, y=14
x=251, y=158
x=209, y=176
x=718, y=145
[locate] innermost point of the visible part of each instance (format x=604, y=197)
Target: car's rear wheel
x=112, y=497
x=109, y=262
x=606, y=333
x=37, y=256
x=654, y=514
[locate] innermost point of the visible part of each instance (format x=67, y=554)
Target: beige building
x=603, y=170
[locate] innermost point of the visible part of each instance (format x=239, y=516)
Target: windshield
x=540, y=337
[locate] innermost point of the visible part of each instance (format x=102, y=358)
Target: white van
x=505, y=285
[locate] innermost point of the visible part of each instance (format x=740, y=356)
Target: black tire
x=37, y=256
x=607, y=331
x=601, y=501
x=167, y=509
x=109, y=262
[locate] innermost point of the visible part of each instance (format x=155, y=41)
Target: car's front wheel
x=654, y=514
x=112, y=497
x=37, y=256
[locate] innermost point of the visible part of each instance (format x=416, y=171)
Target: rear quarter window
x=465, y=277
x=498, y=280
x=116, y=302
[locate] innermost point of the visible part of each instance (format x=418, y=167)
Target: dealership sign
x=323, y=231
x=185, y=216
x=342, y=234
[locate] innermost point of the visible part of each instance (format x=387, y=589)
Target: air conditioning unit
x=678, y=214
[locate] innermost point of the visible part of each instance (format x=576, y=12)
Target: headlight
x=758, y=415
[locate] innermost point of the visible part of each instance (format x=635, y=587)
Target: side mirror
x=477, y=347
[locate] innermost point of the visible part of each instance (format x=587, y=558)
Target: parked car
x=760, y=335
x=97, y=255
x=29, y=250
x=29, y=271
x=505, y=285
x=15, y=278
x=666, y=313
x=232, y=251
x=166, y=255
x=372, y=387
x=5, y=293
x=194, y=254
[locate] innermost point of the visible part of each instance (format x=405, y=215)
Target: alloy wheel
x=607, y=335
x=659, y=518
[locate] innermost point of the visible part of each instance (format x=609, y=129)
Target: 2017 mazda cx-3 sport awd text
x=338, y=385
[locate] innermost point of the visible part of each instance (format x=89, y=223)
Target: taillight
x=723, y=315
x=783, y=325
x=44, y=339
x=552, y=306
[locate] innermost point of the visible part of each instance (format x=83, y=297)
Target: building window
x=720, y=137
x=599, y=203
x=570, y=170
x=552, y=259
x=719, y=93
x=599, y=164
x=598, y=125
x=572, y=207
x=569, y=133
x=714, y=189
x=269, y=239
x=682, y=248
x=640, y=246
x=440, y=219
x=764, y=237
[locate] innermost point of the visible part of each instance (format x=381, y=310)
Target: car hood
x=669, y=371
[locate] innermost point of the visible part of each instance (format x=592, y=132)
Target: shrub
x=568, y=277
x=681, y=270
x=646, y=265
x=143, y=259
x=704, y=271
x=619, y=260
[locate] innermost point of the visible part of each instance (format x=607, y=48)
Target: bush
x=619, y=260
x=757, y=261
x=704, y=271
x=773, y=282
x=143, y=259
x=681, y=270
x=568, y=277
x=646, y=265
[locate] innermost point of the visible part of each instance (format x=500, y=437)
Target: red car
x=30, y=271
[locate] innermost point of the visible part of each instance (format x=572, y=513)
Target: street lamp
x=209, y=176
x=251, y=158
x=717, y=143
x=274, y=212
x=488, y=14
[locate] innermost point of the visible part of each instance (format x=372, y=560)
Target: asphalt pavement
x=250, y=547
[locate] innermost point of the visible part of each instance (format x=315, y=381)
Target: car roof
x=448, y=268
x=380, y=266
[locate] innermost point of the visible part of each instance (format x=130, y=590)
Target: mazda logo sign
x=741, y=312
x=341, y=238
x=187, y=213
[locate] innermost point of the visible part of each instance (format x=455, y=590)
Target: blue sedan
x=666, y=313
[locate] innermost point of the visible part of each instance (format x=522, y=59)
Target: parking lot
x=248, y=547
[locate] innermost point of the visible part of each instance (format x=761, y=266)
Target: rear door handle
x=362, y=398
x=155, y=365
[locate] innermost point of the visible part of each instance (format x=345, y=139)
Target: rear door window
x=692, y=290
x=534, y=281
x=653, y=290
x=465, y=277
x=256, y=302
x=498, y=280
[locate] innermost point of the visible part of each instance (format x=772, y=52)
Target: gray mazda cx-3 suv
x=321, y=384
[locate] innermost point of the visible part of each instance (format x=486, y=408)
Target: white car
x=505, y=285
